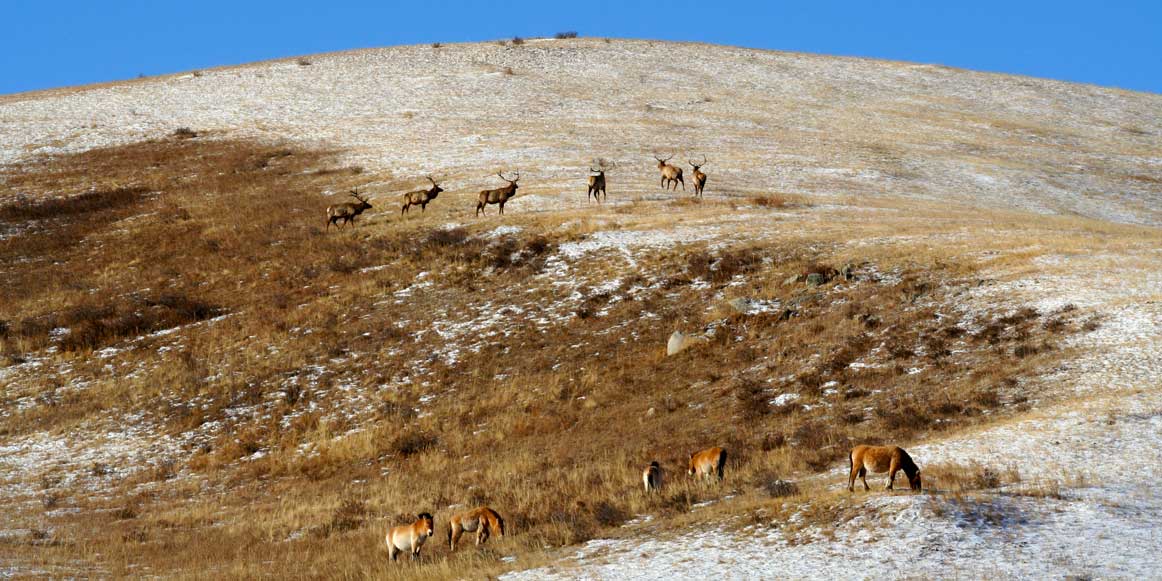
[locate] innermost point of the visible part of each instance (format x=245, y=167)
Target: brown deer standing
x=346, y=211
x=699, y=177
x=421, y=198
x=499, y=195
x=670, y=174
x=597, y=182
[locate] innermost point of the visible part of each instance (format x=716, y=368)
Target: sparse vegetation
x=564, y=35
x=300, y=390
x=491, y=402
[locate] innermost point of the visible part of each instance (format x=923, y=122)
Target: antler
x=431, y=180
x=697, y=165
x=513, y=180
x=355, y=192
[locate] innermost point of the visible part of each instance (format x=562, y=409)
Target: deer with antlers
x=597, y=182
x=699, y=177
x=499, y=195
x=671, y=174
x=421, y=198
x=347, y=211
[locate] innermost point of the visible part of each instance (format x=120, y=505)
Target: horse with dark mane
x=880, y=459
x=708, y=463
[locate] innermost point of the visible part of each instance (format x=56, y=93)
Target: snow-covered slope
x=845, y=134
x=766, y=120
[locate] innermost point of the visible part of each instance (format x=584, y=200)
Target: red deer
x=708, y=463
x=499, y=195
x=597, y=182
x=346, y=211
x=481, y=520
x=410, y=537
x=652, y=477
x=880, y=459
x=421, y=198
x=671, y=174
x=699, y=177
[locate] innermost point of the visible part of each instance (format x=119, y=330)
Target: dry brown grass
x=320, y=411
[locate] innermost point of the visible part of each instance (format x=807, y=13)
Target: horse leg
x=392, y=551
x=895, y=467
x=863, y=477
x=851, y=477
x=454, y=537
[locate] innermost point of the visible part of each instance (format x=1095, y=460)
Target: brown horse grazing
x=880, y=459
x=481, y=520
x=652, y=477
x=410, y=537
x=708, y=463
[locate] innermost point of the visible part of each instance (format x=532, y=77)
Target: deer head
x=436, y=189
x=602, y=166
x=363, y=205
x=512, y=181
x=662, y=162
x=696, y=166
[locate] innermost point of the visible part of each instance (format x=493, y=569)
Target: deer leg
x=502, y=208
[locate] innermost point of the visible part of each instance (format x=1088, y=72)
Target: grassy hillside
x=198, y=378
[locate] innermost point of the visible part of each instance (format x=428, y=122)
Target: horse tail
x=499, y=522
x=722, y=464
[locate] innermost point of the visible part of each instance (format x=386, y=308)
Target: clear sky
x=52, y=43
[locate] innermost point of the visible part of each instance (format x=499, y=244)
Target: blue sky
x=51, y=43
